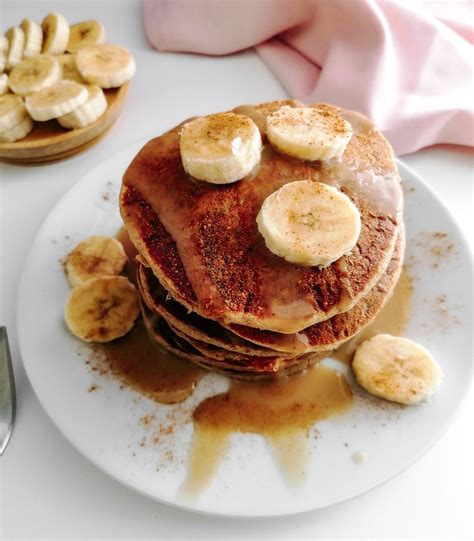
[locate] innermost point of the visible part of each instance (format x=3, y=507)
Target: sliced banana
x=3, y=84
x=56, y=33
x=88, y=112
x=3, y=53
x=220, y=148
x=33, y=38
x=396, y=369
x=102, y=309
x=106, y=65
x=309, y=223
x=12, y=111
x=308, y=133
x=93, y=257
x=17, y=132
x=85, y=34
x=16, y=44
x=33, y=74
x=67, y=62
x=56, y=100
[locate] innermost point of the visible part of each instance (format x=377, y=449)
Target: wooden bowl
x=48, y=141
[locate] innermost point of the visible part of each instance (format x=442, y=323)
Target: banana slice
x=67, y=62
x=3, y=53
x=56, y=100
x=33, y=38
x=93, y=257
x=16, y=43
x=33, y=74
x=17, y=132
x=102, y=309
x=12, y=111
x=88, y=112
x=396, y=369
x=309, y=223
x=3, y=84
x=56, y=33
x=308, y=133
x=85, y=34
x=106, y=65
x=220, y=148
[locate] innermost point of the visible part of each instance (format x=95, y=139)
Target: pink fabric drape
x=410, y=72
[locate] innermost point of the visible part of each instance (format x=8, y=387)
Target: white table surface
x=48, y=490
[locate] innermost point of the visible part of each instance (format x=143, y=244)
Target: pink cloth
x=406, y=70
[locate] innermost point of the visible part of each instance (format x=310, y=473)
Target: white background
x=47, y=489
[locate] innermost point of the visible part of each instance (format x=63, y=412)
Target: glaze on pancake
x=202, y=241
x=320, y=337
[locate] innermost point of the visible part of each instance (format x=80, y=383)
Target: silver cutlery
x=7, y=391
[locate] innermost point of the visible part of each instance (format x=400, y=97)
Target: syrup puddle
x=393, y=319
x=283, y=411
x=143, y=365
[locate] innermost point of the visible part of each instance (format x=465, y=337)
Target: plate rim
x=403, y=168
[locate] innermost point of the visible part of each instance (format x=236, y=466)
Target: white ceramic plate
x=105, y=425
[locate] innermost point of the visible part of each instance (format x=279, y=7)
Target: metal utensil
x=7, y=391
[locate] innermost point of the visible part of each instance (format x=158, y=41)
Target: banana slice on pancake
x=102, y=309
x=85, y=34
x=16, y=44
x=56, y=33
x=308, y=133
x=56, y=100
x=34, y=74
x=396, y=369
x=12, y=111
x=220, y=148
x=309, y=223
x=93, y=257
x=17, y=132
x=105, y=65
x=33, y=38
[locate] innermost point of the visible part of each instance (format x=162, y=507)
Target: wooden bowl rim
x=115, y=104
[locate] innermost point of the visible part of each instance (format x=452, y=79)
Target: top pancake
x=201, y=240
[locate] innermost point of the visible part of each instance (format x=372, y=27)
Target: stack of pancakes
x=211, y=290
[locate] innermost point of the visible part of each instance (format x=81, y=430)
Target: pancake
x=191, y=324
x=260, y=368
x=201, y=240
x=320, y=337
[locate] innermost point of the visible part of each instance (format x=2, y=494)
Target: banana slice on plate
x=12, y=111
x=3, y=84
x=56, y=100
x=88, y=112
x=85, y=34
x=67, y=62
x=17, y=132
x=56, y=33
x=106, y=65
x=33, y=74
x=309, y=223
x=308, y=133
x=33, y=38
x=396, y=369
x=93, y=257
x=102, y=309
x=3, y=53
x=220, y=148
x=16, y=44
